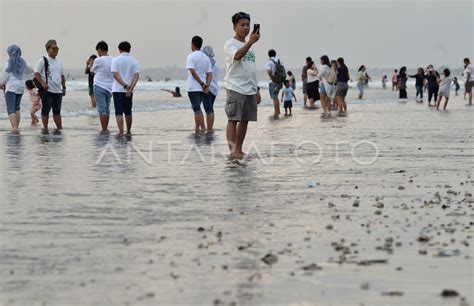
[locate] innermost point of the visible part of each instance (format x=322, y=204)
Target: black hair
x=286, y=82
x=361, y=67
x=396, y=70
x=29, y=84
x=289, y=73
x=309, y=65
x=93, y=56
x=467, y=59
x=403, y=72
x=325, y=60
x=240, y=15
x=340, y=60
x=446, y=72
x=102, y=45
x=422, y=71
x=271, y=53
x=309, y=59
x=197, y=41
x=125, y=46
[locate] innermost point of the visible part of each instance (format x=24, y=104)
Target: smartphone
x=256, y=27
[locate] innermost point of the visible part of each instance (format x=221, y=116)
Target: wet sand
x=87, y=220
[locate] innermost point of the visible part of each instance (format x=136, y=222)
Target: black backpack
x=280, y=73
x=38, y=83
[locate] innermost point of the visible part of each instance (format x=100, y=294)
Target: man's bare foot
x=237, y=155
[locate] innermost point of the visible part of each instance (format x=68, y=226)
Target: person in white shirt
x=210, y=97
x=469, y=78
x=274, y=86
x=15, y=68
x=103, y=80
x=125, y=70
x=325, y=87
x=53, y=82
x=199, y=79
x=444, y=88
x=241, y=83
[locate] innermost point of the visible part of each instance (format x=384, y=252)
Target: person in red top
x=394, y=80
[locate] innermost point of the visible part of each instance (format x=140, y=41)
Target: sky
x=379, y=34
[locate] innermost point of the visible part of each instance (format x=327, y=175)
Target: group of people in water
x=117, y=77
x=437, y=85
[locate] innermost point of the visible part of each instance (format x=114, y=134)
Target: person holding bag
x=51, y=84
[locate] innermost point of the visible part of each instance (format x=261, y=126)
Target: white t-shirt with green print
x=241, y=75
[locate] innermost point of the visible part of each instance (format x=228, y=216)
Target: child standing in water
x=444, y=88
x=287, y=96
x=35, y=101
x=456, y=85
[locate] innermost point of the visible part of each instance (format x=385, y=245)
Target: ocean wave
x=159, y=85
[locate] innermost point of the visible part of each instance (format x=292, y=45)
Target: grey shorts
x=342, y=89
x=469, y=86
x=305, y=86
x=241, y=107
x=444, y=93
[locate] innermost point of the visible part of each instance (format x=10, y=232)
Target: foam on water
x=82, y=85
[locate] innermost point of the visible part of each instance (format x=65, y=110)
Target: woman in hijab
x=210, y=97
x=402, y=83
x=15, y=67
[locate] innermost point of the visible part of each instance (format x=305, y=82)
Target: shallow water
x=90, y=219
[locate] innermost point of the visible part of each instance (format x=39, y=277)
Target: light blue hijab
x=16, y=64
x=210, y=53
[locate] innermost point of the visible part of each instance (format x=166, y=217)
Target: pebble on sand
x=365, y=286
x=392, y=293
x=270, y=259
x=449, y=293
x=312, y=267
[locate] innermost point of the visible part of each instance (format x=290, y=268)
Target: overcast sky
x=378, y=33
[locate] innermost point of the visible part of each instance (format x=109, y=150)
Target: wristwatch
x=125, y=86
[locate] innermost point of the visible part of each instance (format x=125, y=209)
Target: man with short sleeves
x=49, y=72
x=199, y=79
x=241, y=83
x=103, y=81
x=125, y=70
